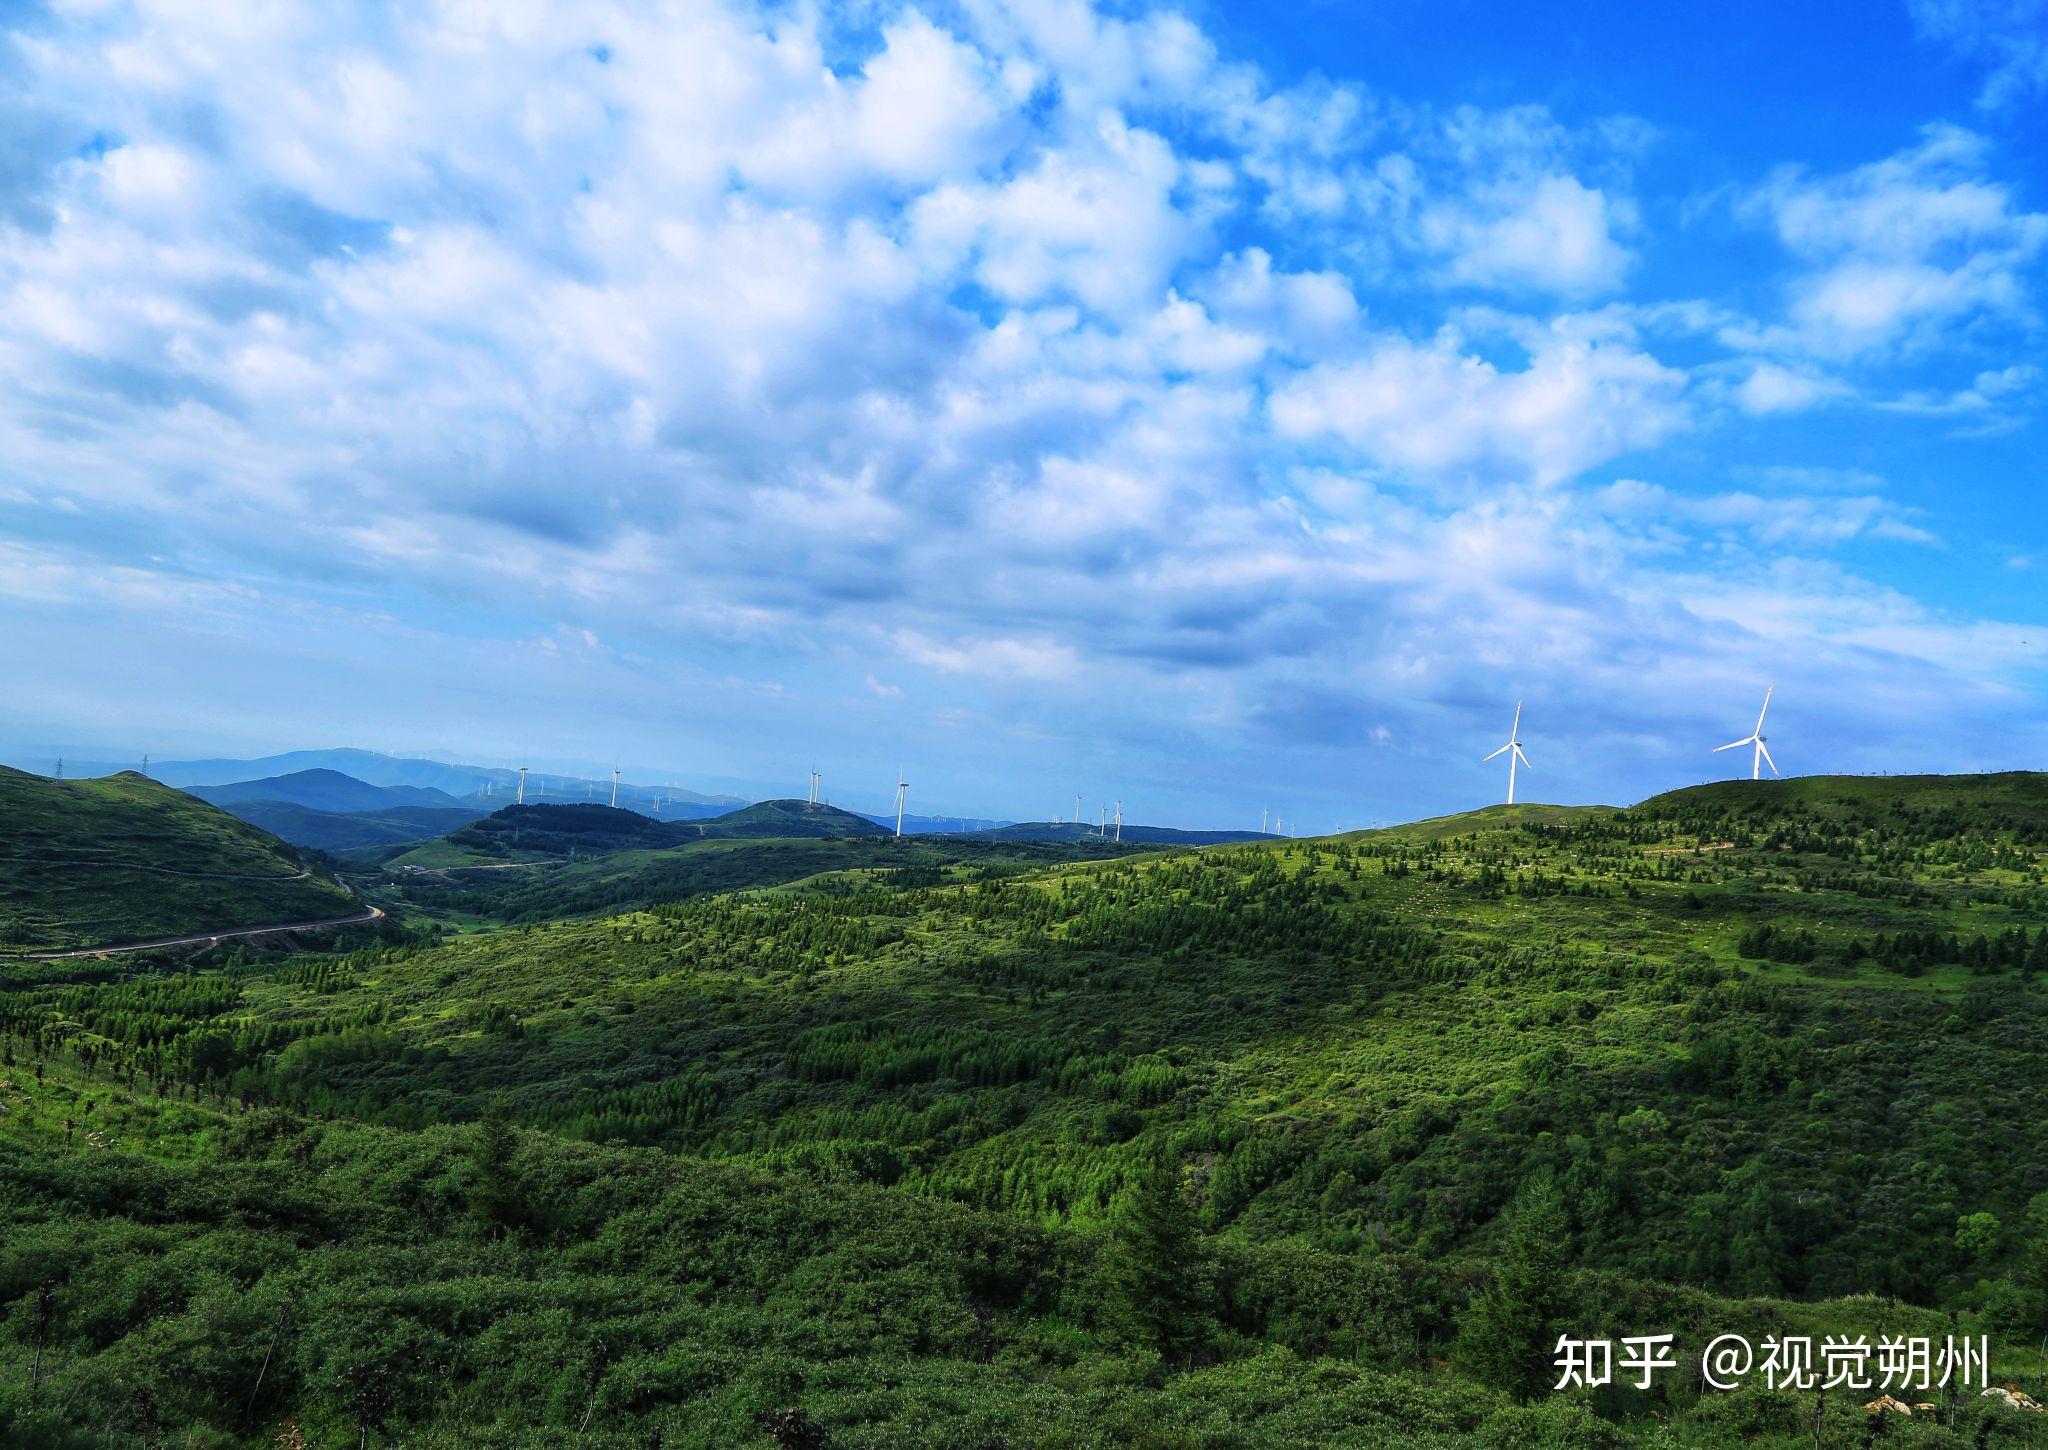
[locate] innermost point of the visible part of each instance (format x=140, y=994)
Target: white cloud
x=1901, y=246
x=1770, y=388
x=1446, y=413
x=2009, y=36
x=1778, y=520
x=1551, y=234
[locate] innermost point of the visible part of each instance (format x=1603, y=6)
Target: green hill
x=528, y=833
x=628, y=880
x=783, y=819
x=100, y=862
x=1486, y=818
x=2008, y=799
x=1308, y=1142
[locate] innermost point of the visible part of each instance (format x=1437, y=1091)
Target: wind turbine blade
x=1517, y=726
x=1767, y=757
x=1767, y=705
x=1733, y=744
x=1502, y=751
x=1523, y=758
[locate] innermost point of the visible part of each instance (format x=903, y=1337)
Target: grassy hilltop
x=1289, y=1143
x=99, y=862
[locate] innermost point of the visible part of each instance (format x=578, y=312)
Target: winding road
x=208, y=938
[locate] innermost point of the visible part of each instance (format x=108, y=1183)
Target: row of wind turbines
x=1760, y=758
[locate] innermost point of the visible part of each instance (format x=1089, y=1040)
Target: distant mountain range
x=325, y=790
x=355, y=782
x=484, y=785
x=1142, y=835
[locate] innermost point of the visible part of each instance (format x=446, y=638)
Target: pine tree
x=1507, y=1335
x=1157, y=1261
x=497, y=1182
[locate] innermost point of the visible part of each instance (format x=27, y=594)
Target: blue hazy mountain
x=488, y=786
x=325, y=790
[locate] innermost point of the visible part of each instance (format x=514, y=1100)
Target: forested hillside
x=97, y=862
x=1305, y=1142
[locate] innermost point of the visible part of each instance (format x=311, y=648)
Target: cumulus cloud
x=1440, y=412
x=1553, y=234
x=1902, y=246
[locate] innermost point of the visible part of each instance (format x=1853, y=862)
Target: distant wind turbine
x=1756, y=738
x=814, y=784
x=902, y=785
x=1119, y=820
x=615, y=787
x=1513, y=751
x=522, y=787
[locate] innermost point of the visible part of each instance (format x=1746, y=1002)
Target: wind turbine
x=814, y=785
x=522, y=787
x=1513, y=751
x=1262, y=819
x=1119, y=820
x=615, y=787
x=902, y=785
x=1756, y=738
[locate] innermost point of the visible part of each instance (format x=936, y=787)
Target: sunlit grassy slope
x=93, y=862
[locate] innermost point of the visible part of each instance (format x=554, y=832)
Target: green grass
x=99, y=862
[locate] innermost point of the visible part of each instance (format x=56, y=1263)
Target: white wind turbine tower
x=902, y=785
x=615, y=787
x=1119, y=820
x=522, y=787
x=814, y=785
x=1756, y=738
x=1513, y=751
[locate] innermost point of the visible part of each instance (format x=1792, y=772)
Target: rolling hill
x=784, y=819
x=99, y=862
x=536, y=832
x=1316, y=1142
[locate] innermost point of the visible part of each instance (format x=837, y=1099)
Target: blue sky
x=1218, y=408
